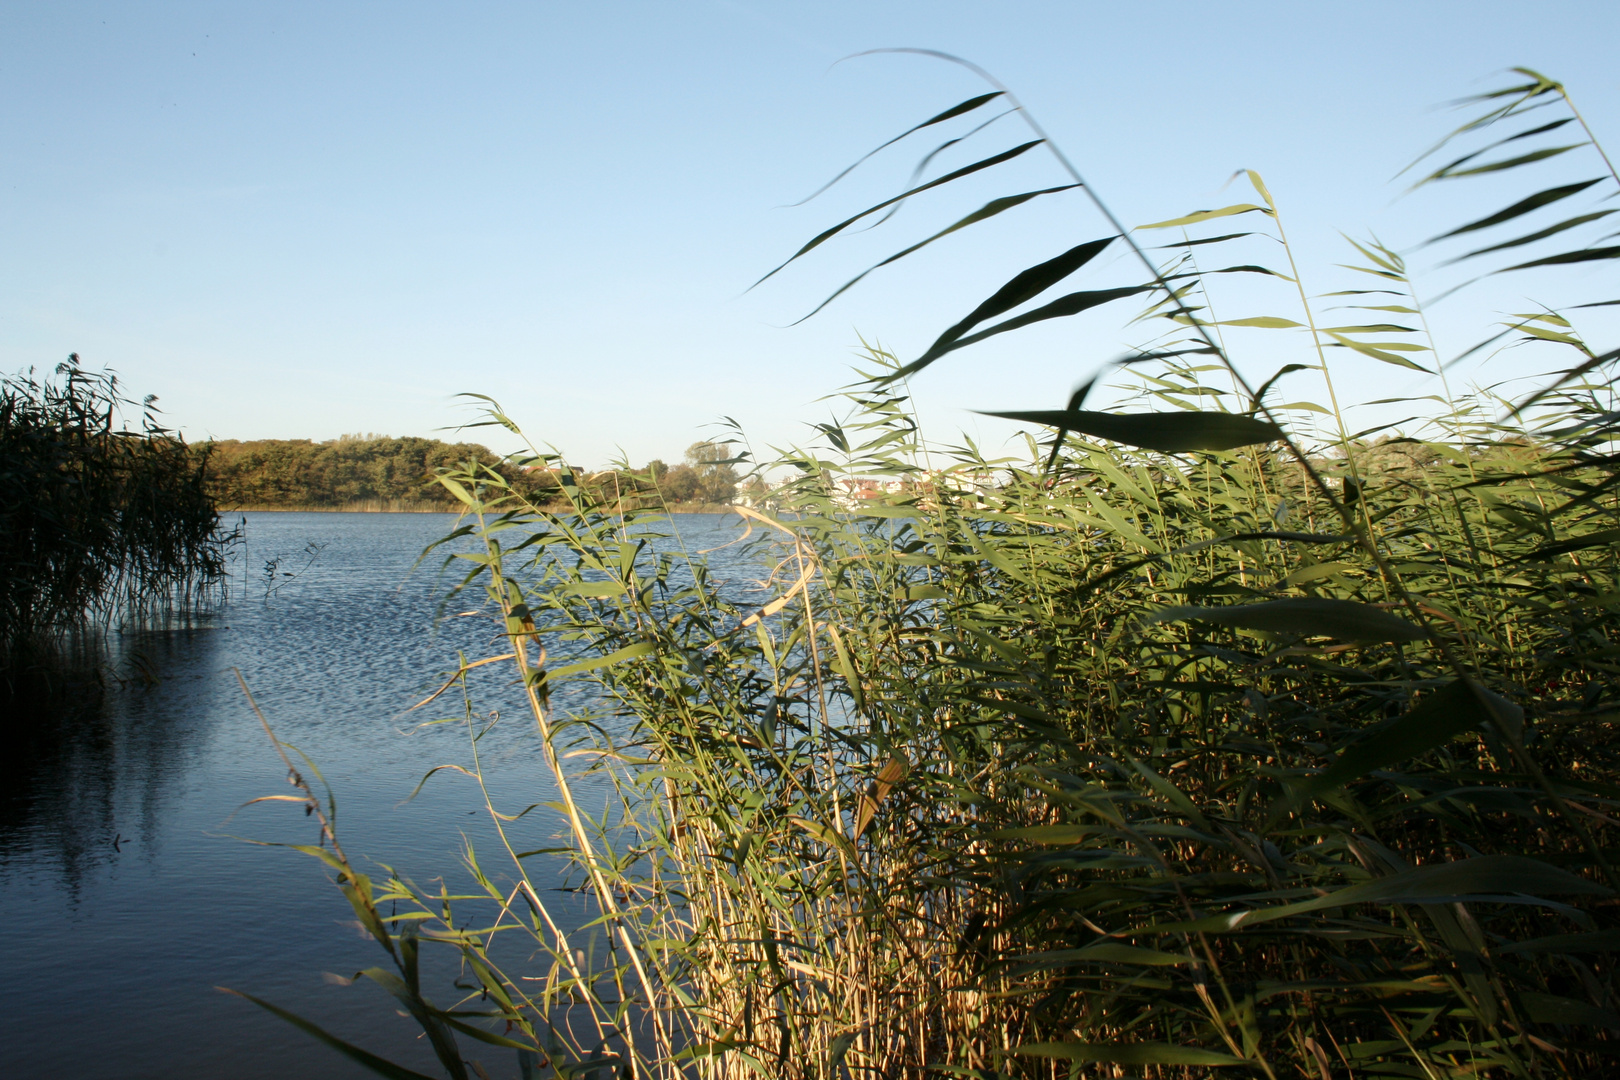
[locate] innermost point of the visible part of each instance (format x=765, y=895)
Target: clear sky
x=300, y=220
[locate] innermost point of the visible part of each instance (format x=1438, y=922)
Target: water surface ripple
x=127, y=899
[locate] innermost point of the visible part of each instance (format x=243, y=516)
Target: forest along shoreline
x=378, y=506
x=368, y=473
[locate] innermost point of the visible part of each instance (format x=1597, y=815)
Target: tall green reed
x=97, y=521
x=1177, y=743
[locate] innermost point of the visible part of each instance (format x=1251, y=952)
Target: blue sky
x=302, y=220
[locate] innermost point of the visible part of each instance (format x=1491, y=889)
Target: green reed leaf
x=1601, y=538
x=380, y=1066
x=1023, y=287
x=1250, y=268
x=1205, y=240
x=966, y=170
x=1129, y=1054
x=1206, y=215
x=959, y=109
x=1540, y=234
x=1046, y=834
x=1310, y=616
x=890, y=510
x=1063, y=307
x=1513, y=162
x=595, y=589
x=1549, y=335
x=1520, y=208
x=1600, y=941
x=1103, y=952
x=1528, y=133
x=1382, y=351
x=1583, y=255
x=1503, y=878
x=1260, y=394
x=1553, y=1009
x=1525, y=93
x=456, y=489
x=486, y=1036
x=988, y=210
x=1382, y=257
x=1565, y=377
x=1173, y=796
x=1266, y=534
x=1317, y=572
x=1262, y=322
x=1168, y=433
x=1452, y=173
x=1453, y=710
x=694, y=1052
x=837, y=1049
x=629, y=652
x=1538, y=85
x=1246, y=268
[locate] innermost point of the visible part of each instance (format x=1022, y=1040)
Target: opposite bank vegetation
x=376, y=472
x=1206, y=743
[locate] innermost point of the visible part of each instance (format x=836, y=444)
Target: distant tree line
x=379, y=472
x=706, y=476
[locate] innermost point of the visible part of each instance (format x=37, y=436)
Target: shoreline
x=379, y=506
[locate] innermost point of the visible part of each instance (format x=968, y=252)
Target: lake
x=127, y=889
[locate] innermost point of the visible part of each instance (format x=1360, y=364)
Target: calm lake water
x=127, y=893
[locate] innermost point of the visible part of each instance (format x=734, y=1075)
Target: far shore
x=382, y=506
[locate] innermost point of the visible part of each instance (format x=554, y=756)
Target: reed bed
x=1187, y=742
x=98, y=522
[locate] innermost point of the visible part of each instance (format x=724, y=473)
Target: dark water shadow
x=93, y=739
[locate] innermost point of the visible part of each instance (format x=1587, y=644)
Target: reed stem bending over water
x=1176, y=745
